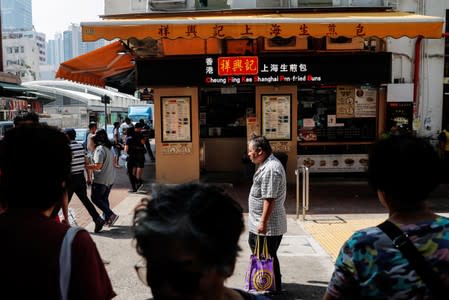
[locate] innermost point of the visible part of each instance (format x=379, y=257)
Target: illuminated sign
x=251, y=69
x=300, y=69
x=236, y=65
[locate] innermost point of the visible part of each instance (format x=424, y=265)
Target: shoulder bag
x=415, y=258
x=65, y=261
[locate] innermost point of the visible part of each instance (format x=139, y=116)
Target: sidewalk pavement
x=308, y=249
x=306, y=253
x=305, y=265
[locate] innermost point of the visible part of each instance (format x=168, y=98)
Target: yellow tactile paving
x=331, y=233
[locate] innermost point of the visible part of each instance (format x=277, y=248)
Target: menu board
x=276, y=117
x=365, y=103
x=176, y=119
x=345, y=102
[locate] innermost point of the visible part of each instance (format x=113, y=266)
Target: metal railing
x=305, y=190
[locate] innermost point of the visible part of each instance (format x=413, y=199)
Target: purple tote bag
x=260, y=275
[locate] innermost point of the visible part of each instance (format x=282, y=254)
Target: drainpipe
x=416, y=75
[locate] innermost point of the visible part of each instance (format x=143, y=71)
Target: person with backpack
x=32, y=240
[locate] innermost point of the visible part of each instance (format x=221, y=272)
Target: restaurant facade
x=320, y=84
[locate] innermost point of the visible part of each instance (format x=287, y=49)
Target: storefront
x=15, y=98
x=315, y=84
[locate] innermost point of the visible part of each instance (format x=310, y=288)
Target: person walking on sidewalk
x=32, y=184
x=403, y=170
x=189, y=250
x=104, y=175
x=77, y=183
x=148, y=133
x=135, y=149
x=266, y=200
x=90, y=145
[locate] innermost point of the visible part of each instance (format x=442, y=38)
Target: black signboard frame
x=321, y=68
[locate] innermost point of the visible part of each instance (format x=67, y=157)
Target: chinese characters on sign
x=356, y=102
x=222, y=31
x=176, y=123
x=365, y=103
x=276, y=117
x=250, y=69
x=345, y=102
x=238, y=65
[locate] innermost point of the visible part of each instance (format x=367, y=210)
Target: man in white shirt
x=266, y=211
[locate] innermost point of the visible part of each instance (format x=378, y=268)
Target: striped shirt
x=269, y=182
x=78, y=157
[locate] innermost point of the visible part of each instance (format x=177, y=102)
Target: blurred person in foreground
x=403, y=170
x=189, y=249
x=30, y=239
x=26, y=119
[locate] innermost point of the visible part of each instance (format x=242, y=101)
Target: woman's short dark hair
x=260, y=142
x=33, y=179
x=405, y=168
x=202, y=215
x=101, y=138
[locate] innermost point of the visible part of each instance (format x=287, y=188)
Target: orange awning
x=317, y=24
x=97, y=65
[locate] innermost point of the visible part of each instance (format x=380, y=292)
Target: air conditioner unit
x=285, y=44
x=167, y=4
x=344, y=43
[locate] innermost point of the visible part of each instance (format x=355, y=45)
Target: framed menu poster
x=276, y=117
x=176, y=119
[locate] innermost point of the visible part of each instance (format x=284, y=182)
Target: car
x=81, y=136
x=4, y=126
x=110, y=132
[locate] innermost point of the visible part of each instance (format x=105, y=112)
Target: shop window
x=224, y=115
x=318, y=120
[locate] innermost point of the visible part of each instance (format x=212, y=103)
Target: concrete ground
x=338, y=207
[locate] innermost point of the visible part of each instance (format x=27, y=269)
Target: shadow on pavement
x=295, y=291
x=116, y=232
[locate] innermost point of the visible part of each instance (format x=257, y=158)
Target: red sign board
x=238, y=65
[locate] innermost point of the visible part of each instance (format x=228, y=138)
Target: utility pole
x=106, y=100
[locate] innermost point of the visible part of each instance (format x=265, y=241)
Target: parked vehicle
x=81, y=136
x=144, y=111
x=110, y=132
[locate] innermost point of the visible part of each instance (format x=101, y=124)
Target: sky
x=51, y=16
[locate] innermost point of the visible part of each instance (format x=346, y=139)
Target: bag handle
x=257, y=251
x=415, y=258
x=65, y=261
x=256, y=247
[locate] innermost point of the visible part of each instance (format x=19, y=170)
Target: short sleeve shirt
x=106, y=175
x=370, y=267
x=269, y=182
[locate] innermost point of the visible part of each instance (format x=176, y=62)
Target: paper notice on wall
x=365, y=103
x=308, y=123
x=252, y=127
x=345, y=101
x=332, y=121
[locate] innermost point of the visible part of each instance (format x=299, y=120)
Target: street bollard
x=305, y=190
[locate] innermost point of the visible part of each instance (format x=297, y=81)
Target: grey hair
x=260, y=142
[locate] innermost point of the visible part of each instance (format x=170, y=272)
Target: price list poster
x=176, y=123
x=276, y=117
